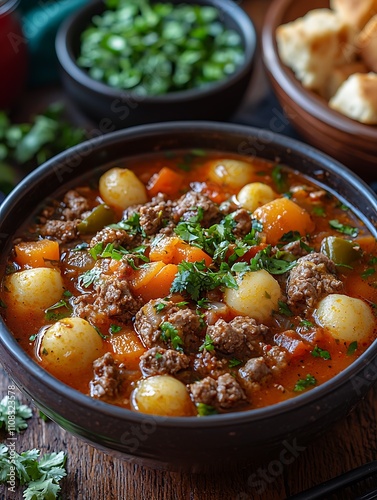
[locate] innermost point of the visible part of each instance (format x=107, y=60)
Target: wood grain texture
x=92, y=475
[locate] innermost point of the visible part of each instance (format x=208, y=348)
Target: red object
x=13, y=54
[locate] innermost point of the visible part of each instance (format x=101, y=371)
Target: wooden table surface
x=93, y=475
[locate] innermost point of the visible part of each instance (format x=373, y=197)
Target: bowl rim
x=10, y=343
x=309, y=101
x=245, y=27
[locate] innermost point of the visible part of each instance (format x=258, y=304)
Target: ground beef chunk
x=75, y=205
x=223, y=393
x=295, y=248
x=185, y=321
x=155, y=215
x=243, y=222
x=108, y=378
x=254, y=371
x=241, y=336
x=276, y=357
x=111, y=297
x=187, y=207
x=208, y=364
x=64, y=231
x=159, y=361
x=313, y=277
x=117, y=237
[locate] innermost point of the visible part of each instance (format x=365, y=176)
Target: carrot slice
x=173, y=250
x=165, y=181
x=145, y=274
x=37, y=253
x=159, y=286
x=281, y=216
x=127, y=348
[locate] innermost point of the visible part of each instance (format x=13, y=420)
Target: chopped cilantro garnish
x=234, y=362
x=306, y=323
x=169, y=332
x=158, y=355
x=80, y=247
x=352, y=348
x=160, y=306
x=368, y=272
x=205, y=410
x=115, y=329
x=319, y=211
x=52, y=315
x=207, y=344
x=273, y=264
x=284, y=309
x=40, y=474
x=304, y=383
x=344, y=228
x=203, y=303
x=33, y=337
x=100, y=333
x=131, y=225
x=317, y=352
x=195, y=278
x=279, y=178
x=89, y=277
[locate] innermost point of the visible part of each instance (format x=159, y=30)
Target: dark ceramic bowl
x=185, y=442
x=116, y=108
x=351, y=142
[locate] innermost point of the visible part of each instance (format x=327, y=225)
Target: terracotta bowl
x=185, y=443
x=114, y=108
x=347, y=140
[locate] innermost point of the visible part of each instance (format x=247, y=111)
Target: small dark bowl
x=197, y=444
x=349, y=141
x=113, y=108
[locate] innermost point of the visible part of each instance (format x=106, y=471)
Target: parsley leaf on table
x=41, y=476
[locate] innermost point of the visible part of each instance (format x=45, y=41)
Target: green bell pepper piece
x=101, y=216
x=339, y=250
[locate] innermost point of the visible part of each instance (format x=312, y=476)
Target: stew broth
x=233, y=297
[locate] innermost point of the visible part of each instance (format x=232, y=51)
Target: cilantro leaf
x=205, y=410
x=352, y=348
x=274, y=264
x=304, y=383
x=317, y=352
x=89, y=277
x=344, y=228
x=207, y=344
x=170, y=333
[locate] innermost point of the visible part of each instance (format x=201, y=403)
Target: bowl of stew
x=131, y=63
x=190, y=295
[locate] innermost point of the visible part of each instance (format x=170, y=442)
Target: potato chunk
x=120, y=188
x=257, y=295
x=162, y=395
x=346, y=318
x=33, y=290
x=69, y=347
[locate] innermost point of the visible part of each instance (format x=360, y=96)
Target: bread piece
x=355, y=12
x=357, y=98
x=339, y=74
x=312, y=45
x=366, y=43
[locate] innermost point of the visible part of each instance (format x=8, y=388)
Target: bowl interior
x=240, y=436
